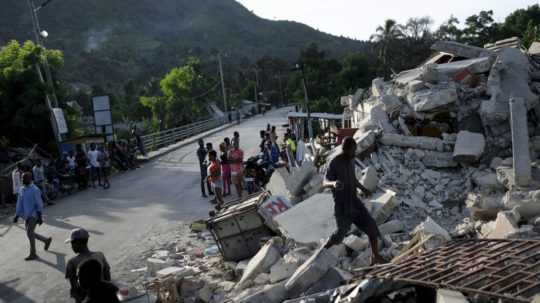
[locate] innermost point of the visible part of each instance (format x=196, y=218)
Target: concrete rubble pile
x=448, y=150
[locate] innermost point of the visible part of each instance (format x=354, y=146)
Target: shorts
x=217, y=184
x=237, y=177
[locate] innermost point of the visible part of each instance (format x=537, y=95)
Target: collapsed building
x=450, y=151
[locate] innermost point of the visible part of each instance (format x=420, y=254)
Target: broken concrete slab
x=431, y=99
x=369, y=178
x=154, y=265
x=377, y=87
x=520, y=142
x=430, y=227
x=509, y=78
x=365, y=142
x=267, y=256
x=317, y=216
x=505, y=225
x=460, y=49
x=275, y=293
x=450, y=296
x=311, y=271
x=469, y=147
x=391, y=103
x=377, y=119
x=427, y=143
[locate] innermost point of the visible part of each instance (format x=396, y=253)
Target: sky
x=358, y=19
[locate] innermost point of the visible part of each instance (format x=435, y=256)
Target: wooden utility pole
x=223, y=90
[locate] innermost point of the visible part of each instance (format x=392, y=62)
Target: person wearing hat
x=79, y=244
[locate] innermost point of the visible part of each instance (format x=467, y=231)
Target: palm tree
x=384, y=35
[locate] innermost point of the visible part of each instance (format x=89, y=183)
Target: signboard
x=60, y=120
x=275, y=205
x=103, y=117
x=101, y=103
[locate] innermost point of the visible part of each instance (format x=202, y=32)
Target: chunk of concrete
x=431, y=99
x=311, y=271
x=391, y=227
x=450, y=296
x=435, y=159
x=267, y=256
x=427, y=143
x=469, y=147
x=317, y=216
x=369, y=178
x=460, y=49
x=175, y=271
x=356, y=243
x=377, y=87
x=415, y=86
x=505, y=225
x=333, y=278
x=391, y=103
x=154, y=265
x=534, y=49
x=430, y=227
x=377, y=119
x=382, y=205
x=365, y=141
x=275, y=293
x=520, y=142
x=487, y=181
x=455, y=70
x=286, y=267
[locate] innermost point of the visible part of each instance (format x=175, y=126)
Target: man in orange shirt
x=214, y=177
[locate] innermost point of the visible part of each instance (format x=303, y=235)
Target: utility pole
x=51, y=100
x=257, y=88
x=281, y=89
x=223, y=90
x=306, y=101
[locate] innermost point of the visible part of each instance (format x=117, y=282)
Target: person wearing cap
x=30, y=208
x=79, y=244
x=98, y=291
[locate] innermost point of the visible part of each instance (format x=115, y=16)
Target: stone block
x=369, y=179
x=311, y=271
x=317, y=216
x=450, y=296
x=382, y=205
x=469, y=147
x=267, y=256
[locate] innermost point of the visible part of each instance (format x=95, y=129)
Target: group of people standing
x=219, y=172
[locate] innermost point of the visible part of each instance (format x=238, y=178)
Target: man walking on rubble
x=348, y=208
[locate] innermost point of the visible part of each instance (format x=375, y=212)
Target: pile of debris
x=449, y=150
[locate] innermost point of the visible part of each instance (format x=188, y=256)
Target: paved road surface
x=163, y=192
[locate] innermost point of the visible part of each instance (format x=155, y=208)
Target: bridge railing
x=171, y=136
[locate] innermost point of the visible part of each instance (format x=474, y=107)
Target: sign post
x=103, y=117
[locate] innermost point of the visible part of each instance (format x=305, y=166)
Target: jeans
x=30, y=225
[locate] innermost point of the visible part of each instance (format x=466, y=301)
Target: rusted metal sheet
x=505, y=269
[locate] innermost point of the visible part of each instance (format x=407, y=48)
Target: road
x=161, y=193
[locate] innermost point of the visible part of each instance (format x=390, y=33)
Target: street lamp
x=44, y=34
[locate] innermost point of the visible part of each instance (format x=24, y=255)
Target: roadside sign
x=60, y=120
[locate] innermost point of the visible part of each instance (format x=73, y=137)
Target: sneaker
x=47, y=244
x=31, y=257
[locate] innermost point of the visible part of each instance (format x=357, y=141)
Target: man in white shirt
x=16, y=179
x=93, y=158
x=38, y=173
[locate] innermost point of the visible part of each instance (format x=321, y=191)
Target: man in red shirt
x=236, y=157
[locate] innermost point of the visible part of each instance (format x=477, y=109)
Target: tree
x=175, y=103
x=480, y=29
x=418, y=28
x=384, y=36
x=449, y=30
x=531, y=34
x=23, y=111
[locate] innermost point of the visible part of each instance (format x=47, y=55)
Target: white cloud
x=358, y=19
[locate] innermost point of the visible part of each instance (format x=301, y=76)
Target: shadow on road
x=8, y=293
